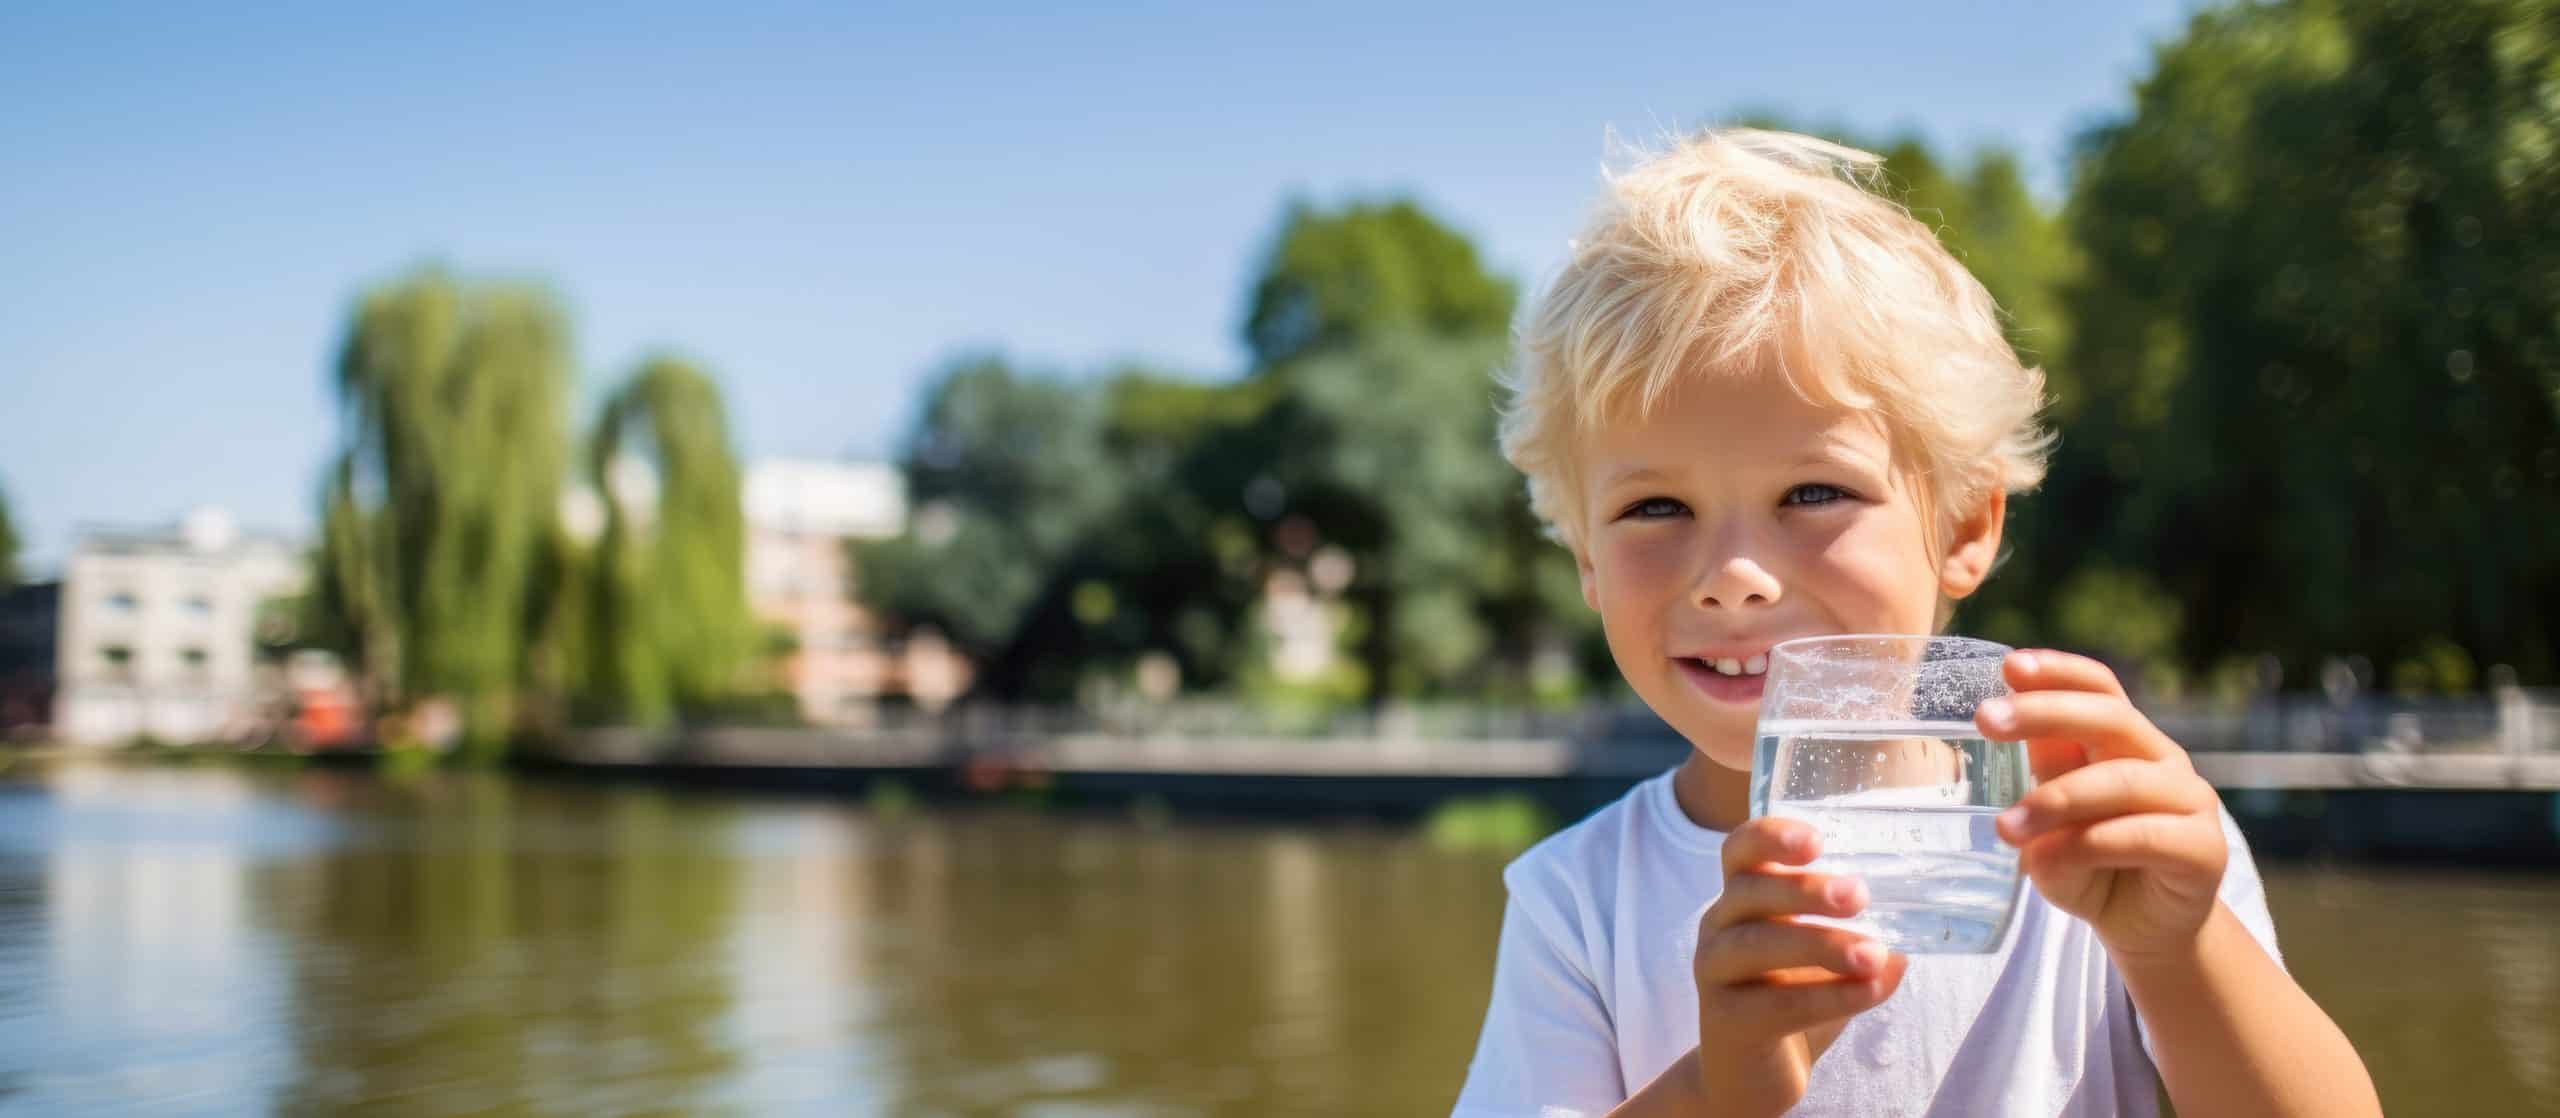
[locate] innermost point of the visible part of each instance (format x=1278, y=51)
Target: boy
x=1760, y=402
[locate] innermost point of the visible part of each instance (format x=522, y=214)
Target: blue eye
x=1814, y=493
x=1654, y=508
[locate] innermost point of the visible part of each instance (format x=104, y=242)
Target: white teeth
x=1755, y=665
x=1729, y=666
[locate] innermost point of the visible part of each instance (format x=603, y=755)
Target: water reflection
x=188, y=941
x=2448, y=982
x=487, y=946
x=128, y=966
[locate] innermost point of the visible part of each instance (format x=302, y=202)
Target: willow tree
x=442, y=502
x=667, y=618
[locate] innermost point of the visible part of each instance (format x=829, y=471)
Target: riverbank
x=2464, y=807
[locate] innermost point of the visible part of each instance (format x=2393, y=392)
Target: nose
x=1737, y=581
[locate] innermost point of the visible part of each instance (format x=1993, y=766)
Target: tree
x=667, y=625
x=1365, y=271
x=1378, y=332
x=1005, y=473
x=443, y=498
x=1388, y=448
x=2317, y=342
x=1173, y=566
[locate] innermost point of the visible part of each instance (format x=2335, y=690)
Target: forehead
x=1732, y=423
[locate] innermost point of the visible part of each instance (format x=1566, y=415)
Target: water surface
x=206, y=941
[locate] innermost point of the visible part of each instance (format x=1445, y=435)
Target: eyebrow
x=1834, y=452
x=1831, y=453
x=1639, y=473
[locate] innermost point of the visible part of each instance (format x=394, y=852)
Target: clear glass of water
x=1871, y=739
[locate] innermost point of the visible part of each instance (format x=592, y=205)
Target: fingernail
x=2014, y=820
x=2026, y=661
x=1994, y=714
x=1800, y=844
x=1840, y=893
x=1866, y=958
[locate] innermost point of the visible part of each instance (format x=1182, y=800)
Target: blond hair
x=1742, y=249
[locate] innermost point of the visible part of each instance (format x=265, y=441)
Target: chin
x=1725, y=741
x=1725, y=749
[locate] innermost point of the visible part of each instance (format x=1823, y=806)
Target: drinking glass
x=1871, y=739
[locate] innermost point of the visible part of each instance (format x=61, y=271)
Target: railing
x=2512, y=738
x=2514, y=722
x=1228, y=721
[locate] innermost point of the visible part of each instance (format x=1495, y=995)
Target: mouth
x=1732, y=680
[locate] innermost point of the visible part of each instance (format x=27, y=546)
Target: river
x=200, y=940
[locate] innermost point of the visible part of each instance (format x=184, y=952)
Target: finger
x=2105, y=790
x=2050, y=758
x=1788, y=1008
x=2175, y=843
x=2105, y=724
x=1759, y=896
x=2046, y=669
x=1787, y=842
x=1749, y=952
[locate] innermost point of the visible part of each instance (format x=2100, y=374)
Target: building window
x=123, y=601
x=119, y=661
x=194, y=659
x=199, y=605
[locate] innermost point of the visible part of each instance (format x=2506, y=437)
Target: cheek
x=1878, y=571
x=1637, y=570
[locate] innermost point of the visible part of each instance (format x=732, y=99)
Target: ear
x=1973, y=541
x=1590, y=582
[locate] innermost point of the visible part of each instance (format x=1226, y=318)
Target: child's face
x=1737, y=515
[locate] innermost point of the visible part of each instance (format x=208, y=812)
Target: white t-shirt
x=1592, y=994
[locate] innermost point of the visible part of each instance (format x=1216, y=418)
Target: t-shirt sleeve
x=2247, y=897
x=1547, y=1050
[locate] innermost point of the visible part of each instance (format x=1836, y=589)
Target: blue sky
x=822, y=203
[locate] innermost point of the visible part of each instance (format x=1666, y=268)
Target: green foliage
x=1387, y=448
x=1063, y=531
x=1366, y=271
x=440, y=508
x=2437, y=666
x=1005, y=472
x=2119, y=614
x=2317, y=341
x=1504, y=824
x=1170, y=565
x=889, y=799
x=406, y=762
x=667, y=622
x=1377, y=332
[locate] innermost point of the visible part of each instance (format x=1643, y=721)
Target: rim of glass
x=1962, y=648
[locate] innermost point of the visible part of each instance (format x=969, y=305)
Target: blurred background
x=919, y=561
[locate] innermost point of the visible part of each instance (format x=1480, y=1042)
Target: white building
x=802, y=518
x=158, y=631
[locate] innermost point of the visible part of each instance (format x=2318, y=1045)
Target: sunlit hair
x=1740, y=250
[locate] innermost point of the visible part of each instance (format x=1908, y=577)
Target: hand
x=2119, y=831
x=1773, y=993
